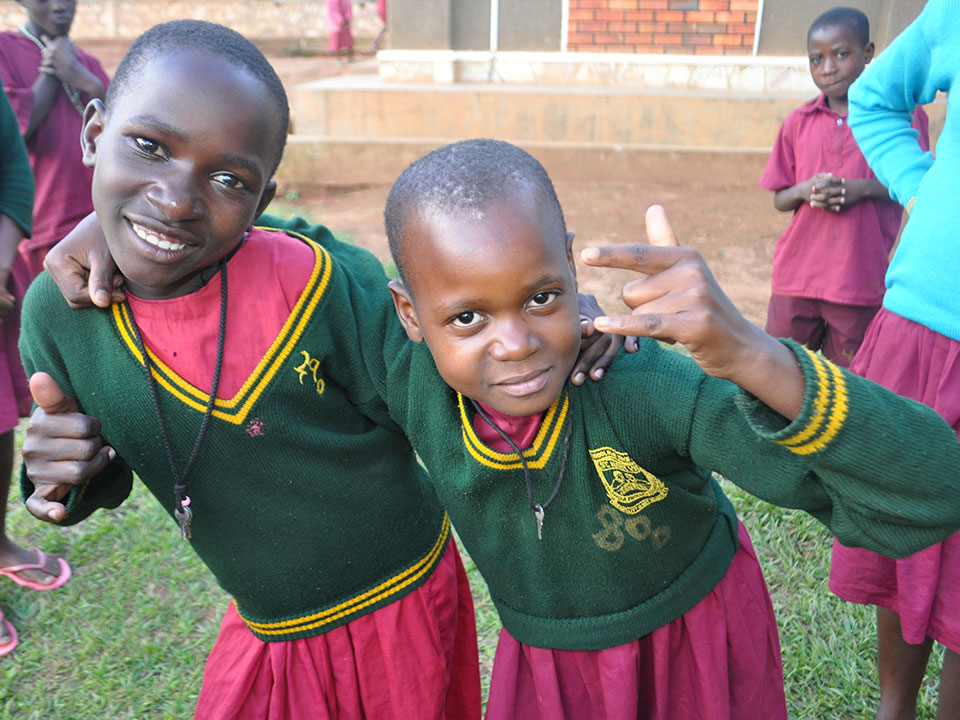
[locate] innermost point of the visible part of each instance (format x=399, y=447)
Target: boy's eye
x=467, y=319
x=842, y=54
x=229, y=180
x=542, y=299
x=150, y=147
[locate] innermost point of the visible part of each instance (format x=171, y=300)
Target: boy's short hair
x=212, y=38
x=843, y=17
x=466, y=175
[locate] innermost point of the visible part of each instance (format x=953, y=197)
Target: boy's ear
x=94, y=119
x=268, y=192
x=868, y=50
x=403, y=304
x=570, y=259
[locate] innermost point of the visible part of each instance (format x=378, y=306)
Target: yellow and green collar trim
x=537, y=455
x=830, y=408
x=235, y=409
x=341, y=613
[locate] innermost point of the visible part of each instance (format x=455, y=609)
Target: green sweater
x=640, y=531
x=16, y=178
x=309, y=505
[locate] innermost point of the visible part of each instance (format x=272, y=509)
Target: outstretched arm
x=680, y=301
x=83, y=269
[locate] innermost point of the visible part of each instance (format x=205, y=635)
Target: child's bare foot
x=31, y=568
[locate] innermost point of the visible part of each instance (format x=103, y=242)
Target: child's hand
x=597, y=349
x=827, y=192
x=680, y=301
x=60, y=60
x=83, y=268
x=62, y=448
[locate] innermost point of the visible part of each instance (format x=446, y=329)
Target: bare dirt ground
x=715, y=207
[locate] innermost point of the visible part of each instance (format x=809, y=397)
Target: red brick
x=610, y=14
x=708, y=50
x=744, y=29
x=648, y=49
x=732, y=50
x=587, y=47
x=711, y=28
x=714, y=4
x=667, y=39
x=730, y=17
x=639, y=38
x=653, y=5
x=681, y=27
x=697, y=40
x=699, y=16
x=751, y=17
x=608, y=38
x=593, y=3
x=582, y=15
x=591, y=26
x=669, y=16
x=728, y=39
x=651, y=27
x=743, y=5
x=638, y=15
x=579, y=38
x=622, y=4
x=626, y=27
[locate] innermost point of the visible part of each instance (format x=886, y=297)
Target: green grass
x=127, y=637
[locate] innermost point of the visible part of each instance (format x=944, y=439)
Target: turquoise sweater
x=309, y=505
x=922, y=278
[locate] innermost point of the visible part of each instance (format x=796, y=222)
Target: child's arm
x=60, y=60
x=10, y=236
x=680, y=301
x=815, y=190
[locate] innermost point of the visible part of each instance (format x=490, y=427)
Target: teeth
x=154, y=239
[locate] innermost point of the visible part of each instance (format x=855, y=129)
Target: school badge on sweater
x=629, y=487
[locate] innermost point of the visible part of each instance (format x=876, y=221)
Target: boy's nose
x=174, y=200
x=514, y=341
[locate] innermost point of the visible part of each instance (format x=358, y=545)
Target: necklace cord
x=180, y=480
x=72, y=93
x=523, y=461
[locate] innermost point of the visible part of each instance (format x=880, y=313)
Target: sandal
x=61, y=579
x=12, y=643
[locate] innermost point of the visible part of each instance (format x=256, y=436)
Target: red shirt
x=265, y=278
x=837, y=257
x=62, y=196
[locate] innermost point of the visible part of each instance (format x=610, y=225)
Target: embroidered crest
x=255, y=427
x=629, y=487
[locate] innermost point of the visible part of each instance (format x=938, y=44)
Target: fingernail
x=584, y=321
x=589, y=254
x=112, y=454
x=578, y=378
x=102, y=296
x=598, y=373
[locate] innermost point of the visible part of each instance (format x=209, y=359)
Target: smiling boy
x=829, y=265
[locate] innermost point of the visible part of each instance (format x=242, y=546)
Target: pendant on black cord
x=539, y=512
x=184, y=516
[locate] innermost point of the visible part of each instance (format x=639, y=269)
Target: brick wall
x=700, y=27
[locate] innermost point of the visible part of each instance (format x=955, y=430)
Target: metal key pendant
x=538, y=511
x=184, y=515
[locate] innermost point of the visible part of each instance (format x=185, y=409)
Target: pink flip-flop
x=62, y=578
x=4, y=649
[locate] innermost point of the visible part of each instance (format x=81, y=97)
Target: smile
x=156, y=239
x=525, y=385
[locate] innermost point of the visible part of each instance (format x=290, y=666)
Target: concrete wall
x=784, y=24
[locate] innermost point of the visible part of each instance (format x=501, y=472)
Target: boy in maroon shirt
x=49, y=82
x=829, y=265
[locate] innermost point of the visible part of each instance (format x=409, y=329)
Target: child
x=829, y=264
x=590, y=513
x=49, y=81
x=339, y=15
x=913, y=345
x=304, y=500
x=16, y=205
x=626, y=586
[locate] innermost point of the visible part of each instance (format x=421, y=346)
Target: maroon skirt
x=15, y=400
x=924, y=588
x=415, y=658
x=719, y=660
